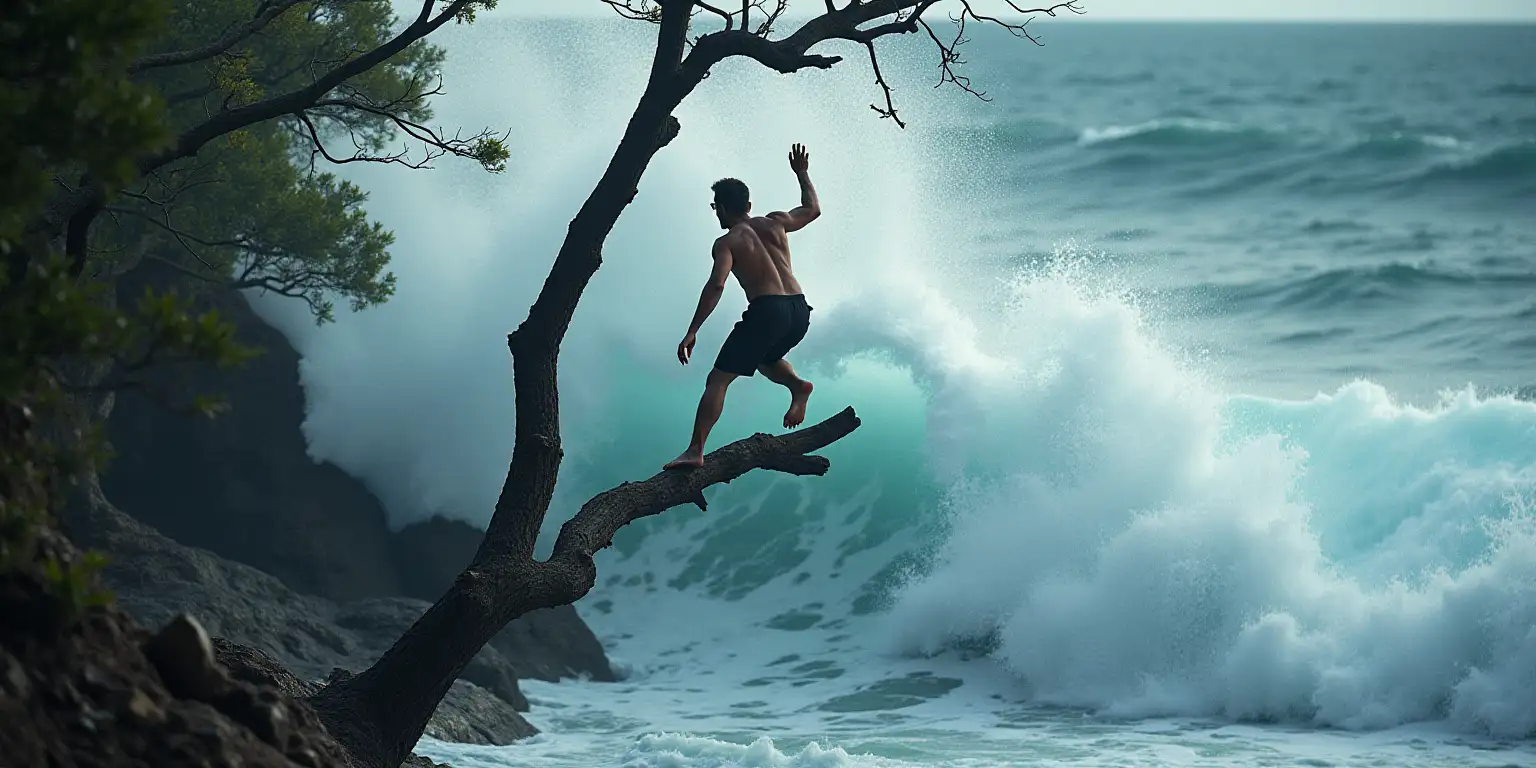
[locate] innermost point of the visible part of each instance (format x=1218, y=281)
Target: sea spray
x=1040, y=475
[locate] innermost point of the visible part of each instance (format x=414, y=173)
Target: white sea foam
x=1131, y=537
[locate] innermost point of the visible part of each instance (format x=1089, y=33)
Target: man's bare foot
x=688, y=459
x=796, y=413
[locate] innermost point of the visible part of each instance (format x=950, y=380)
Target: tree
x=251, y=209
x=329, y=87
x=379, y=714
x=66, y=102
x=85, y=116
x=84, y=121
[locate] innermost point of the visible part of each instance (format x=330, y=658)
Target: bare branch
x=603, y=515
x=638, y=10
x=949, y=58
x=722, y=13
x=458, y=144
x=890, y=107
x=265, y=14
x=360, y=156
x=165, y=224
x=1021, y=29
x=791, y=53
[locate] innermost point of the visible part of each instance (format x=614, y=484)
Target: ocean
x=1190, y=366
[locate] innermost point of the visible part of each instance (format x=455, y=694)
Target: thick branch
x=190, y=141
x=601, y=517
x=398, y=694
x=264, y=15
x=535, y=345
x=791, y=53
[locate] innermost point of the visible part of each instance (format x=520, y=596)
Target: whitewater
x=1193, y=432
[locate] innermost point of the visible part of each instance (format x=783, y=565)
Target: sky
x=1254, y=10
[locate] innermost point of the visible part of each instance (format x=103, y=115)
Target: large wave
x=1133, y=542
x=1036, y=477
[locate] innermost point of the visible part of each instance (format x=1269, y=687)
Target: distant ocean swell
x=1360, y=161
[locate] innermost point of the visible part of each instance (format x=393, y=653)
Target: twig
x=890, y=107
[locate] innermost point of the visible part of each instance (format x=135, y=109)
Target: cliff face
x=243, y=487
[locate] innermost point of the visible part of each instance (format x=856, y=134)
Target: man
x=756, y=250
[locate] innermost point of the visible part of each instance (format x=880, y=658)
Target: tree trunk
x=380, y=714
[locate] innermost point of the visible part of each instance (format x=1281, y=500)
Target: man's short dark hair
x=731, y=196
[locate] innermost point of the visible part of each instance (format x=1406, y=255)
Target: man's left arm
x=709, y=298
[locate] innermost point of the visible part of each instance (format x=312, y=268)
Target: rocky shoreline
x=288, y=564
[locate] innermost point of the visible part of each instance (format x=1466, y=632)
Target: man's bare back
x=759, y=249
x=756, y=250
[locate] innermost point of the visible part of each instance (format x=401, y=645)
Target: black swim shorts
x=767, y=331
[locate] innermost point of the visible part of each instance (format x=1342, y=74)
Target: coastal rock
x=470, y=714
x=549, y=644
x=244, y=488
x=264, y=633
x=84, y=693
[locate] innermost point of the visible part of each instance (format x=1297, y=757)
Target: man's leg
x=782, y=373
x=710, y=406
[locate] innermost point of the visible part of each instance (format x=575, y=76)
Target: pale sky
x=1342, y=10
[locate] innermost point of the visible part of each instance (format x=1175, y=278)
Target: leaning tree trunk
x=380, y=714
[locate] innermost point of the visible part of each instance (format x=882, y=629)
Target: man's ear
x=749, y=206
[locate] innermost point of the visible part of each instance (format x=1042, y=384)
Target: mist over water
x=1091, y=454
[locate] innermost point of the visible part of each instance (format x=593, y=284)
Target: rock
x=183, y=654
x=491, y=671
x=552, y=644
x=544, y=645
x=251, y=665
x=244, y=488
x=379, y=621
x=269, y=636
x=433, y=553
x=472, y=715
x=142, y=710
x=243, y=485
x=14, y=676
x=94, y=698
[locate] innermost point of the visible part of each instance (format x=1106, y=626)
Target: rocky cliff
x=317, y=578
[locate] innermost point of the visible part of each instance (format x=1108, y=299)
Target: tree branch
x=191, y=140
x=472, y=147
x=593, y=527
x=92, y=195
x=269, y=10
x=791, y=53
x=890, y=106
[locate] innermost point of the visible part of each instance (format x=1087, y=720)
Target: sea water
x=1190, y=368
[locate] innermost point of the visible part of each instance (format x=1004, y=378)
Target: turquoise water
x=1186, y=368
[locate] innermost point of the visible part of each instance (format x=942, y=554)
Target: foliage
x=77, y=585
x=69, y=104
x=61, y=67
x=251, y=209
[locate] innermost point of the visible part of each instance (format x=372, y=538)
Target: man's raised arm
x=809, y=208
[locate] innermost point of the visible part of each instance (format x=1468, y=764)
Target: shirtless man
x=756, y=250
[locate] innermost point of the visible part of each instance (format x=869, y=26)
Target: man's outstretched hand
x=799, y=159
x=685, y=348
